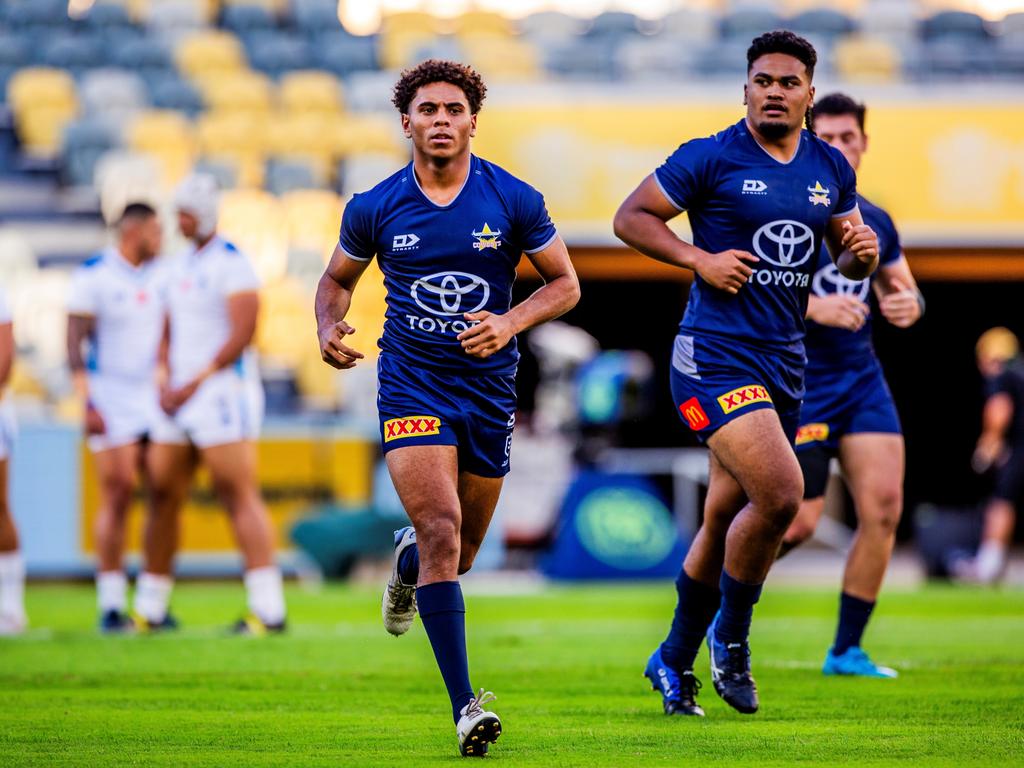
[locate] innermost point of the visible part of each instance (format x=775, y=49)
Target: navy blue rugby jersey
x=740, y=197
x=830, y=348
x=440, y=262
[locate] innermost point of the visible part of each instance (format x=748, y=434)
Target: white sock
x=990, y=561
x=111, y=591
x=266, y=594
x=12, y=586
x=152, y=594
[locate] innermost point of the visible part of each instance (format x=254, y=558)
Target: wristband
x=920, y=303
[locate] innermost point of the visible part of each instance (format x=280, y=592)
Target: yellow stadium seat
x=167, y=136
x=503, y=58
x=484, y=23
x=205, y=10
x=366, y=133
x=284, y=320
x=313, y=217
x=40, y=85
x=310, y=91
x=239, y=91
x=413, y=21
x=254, y=221
x=40, y=128
x=866, y=59
x=224, y=132
x=793, y=7
x=270, y=5
x=304, y=133
x=240, y=139
x=400, y=48
x=209, y=52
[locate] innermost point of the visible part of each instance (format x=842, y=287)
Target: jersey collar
x=458, y=195
x=746, y=129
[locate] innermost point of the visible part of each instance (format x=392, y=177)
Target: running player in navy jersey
x=762, y=195
x=848, y=411
x=448, y=231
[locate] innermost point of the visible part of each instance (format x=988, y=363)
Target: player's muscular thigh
x=755, y=451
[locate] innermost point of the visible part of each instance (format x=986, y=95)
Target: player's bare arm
x=642, y=223
x=838, y=310
x=899, y=298
x=333, y=298
x=995, y=423
x=81, y=328
x=243, y=309
x=559, y=294
x=6, y=353
x=853, y=246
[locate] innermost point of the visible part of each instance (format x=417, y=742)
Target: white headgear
x=198, y=195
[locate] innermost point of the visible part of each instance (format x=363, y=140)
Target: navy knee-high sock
x=737, y=610
x=695, y=608
x=853, y=618
x=443, y=613
x=409, y=565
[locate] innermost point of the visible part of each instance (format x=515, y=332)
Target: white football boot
x=398, y=604
x=477, y=727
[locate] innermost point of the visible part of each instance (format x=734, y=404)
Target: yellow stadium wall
x=294, y=474
x=945, y=171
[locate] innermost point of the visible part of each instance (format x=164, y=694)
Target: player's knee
x=781, y=502
x=118, y=490
x=439, y=540
x=886, y=508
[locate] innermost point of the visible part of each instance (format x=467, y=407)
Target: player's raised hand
x=839, y=311
x=901, y=307
x=989, y=452
x=490, y=334
x=727, y=270
x=94, y=424
x=860, y=240
x=333, y=349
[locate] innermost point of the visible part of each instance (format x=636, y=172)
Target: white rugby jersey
x=196, y=293
x=126, y=302
x=5, y=308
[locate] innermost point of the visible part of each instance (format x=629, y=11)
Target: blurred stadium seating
x=283, y=104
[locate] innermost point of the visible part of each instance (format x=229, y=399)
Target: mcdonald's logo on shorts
x=812, y=433
x=694, y=414
x=411, y=426
x=743, y=396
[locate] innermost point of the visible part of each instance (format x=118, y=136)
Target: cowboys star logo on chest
x=486, y=237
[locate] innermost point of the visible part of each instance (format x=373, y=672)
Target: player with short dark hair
x=448, y=231
x=115, y=312
x=12, y=564
x=848, y=411
x=762, y=195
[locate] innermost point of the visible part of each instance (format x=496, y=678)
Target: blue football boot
x=730, y=672
x=678, y=691
x=853, y=661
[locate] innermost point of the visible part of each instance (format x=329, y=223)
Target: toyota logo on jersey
x=784, y=243
x=829, y=280
x=451, y=293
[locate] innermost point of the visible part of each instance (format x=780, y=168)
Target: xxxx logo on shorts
x=694, y=414
x=744, y=396
x=411, y=426
x=812, y=433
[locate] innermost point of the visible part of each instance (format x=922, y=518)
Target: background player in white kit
x=12, y=566
x=213, y=399
x=114, y=311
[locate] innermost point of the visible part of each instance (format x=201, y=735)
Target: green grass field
x=566, y=665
